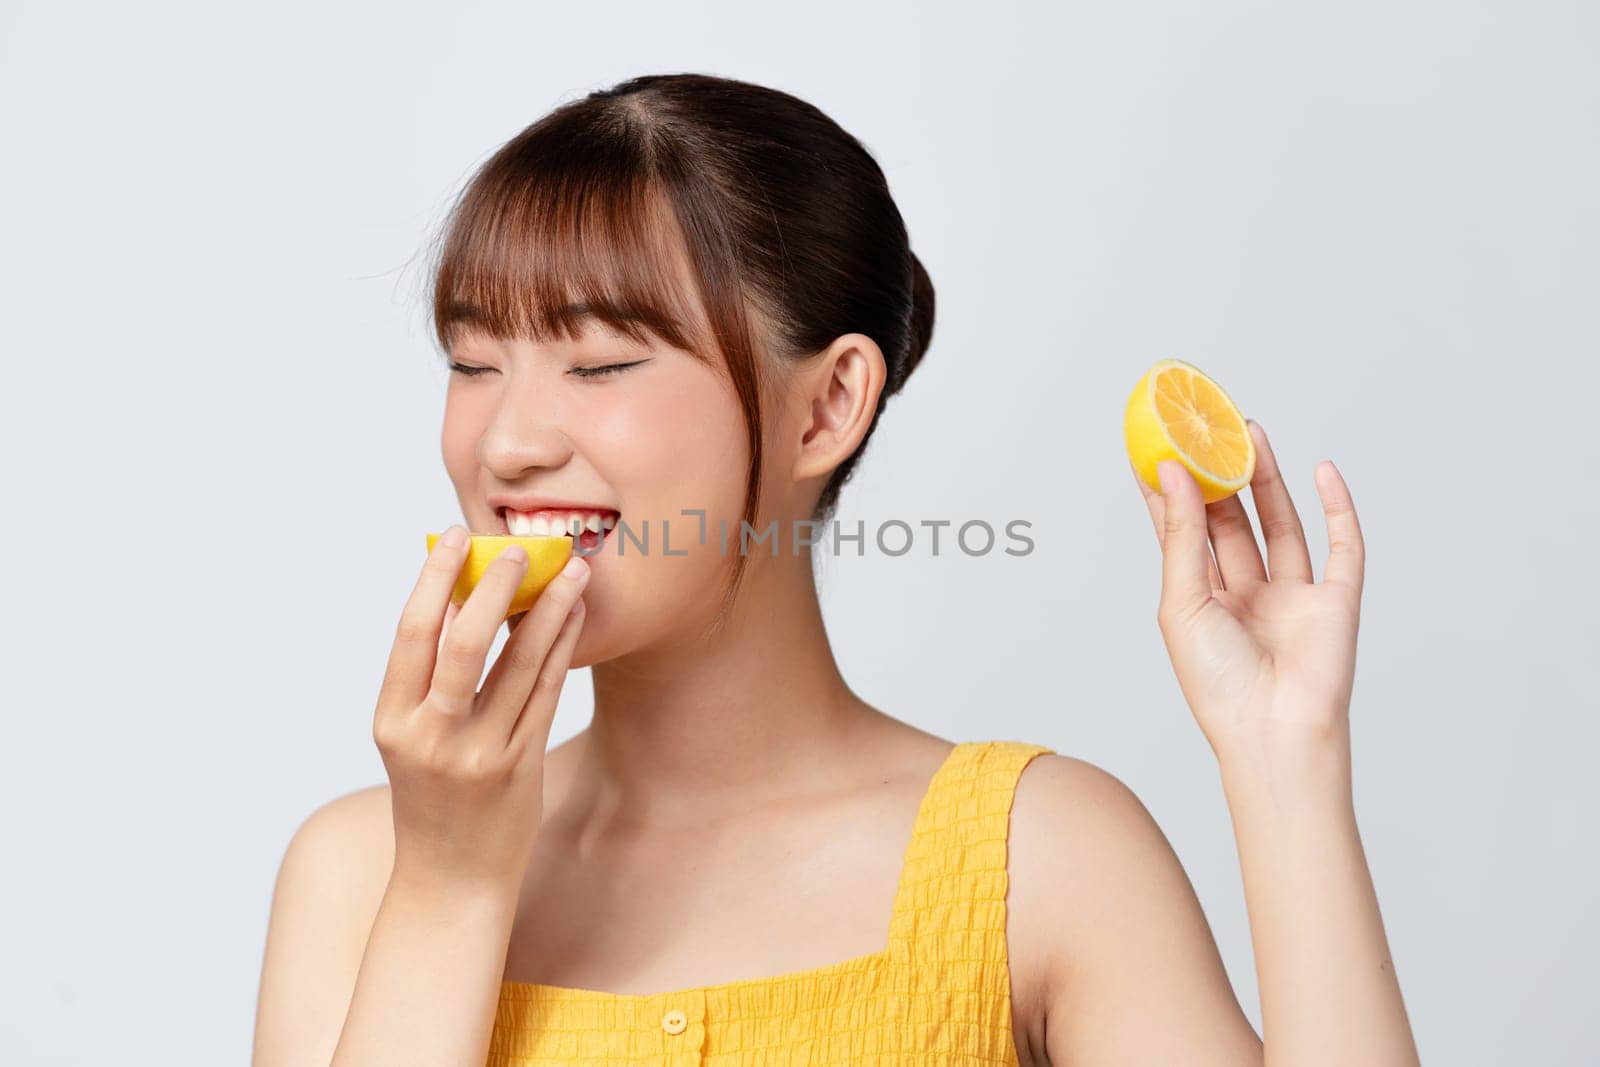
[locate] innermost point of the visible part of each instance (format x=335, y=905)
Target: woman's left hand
x=1266, y=664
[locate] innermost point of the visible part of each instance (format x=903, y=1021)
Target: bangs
x=534, y=252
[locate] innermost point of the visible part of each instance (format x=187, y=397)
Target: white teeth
x=557, y=523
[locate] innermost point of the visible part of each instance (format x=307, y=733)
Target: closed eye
x=606, y=368
x=469, y=371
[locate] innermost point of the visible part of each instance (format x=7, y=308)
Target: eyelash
x=582, y=372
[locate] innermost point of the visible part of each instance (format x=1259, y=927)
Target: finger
x=531, y=731
x=463, y=652
x=1347, y=551
x=512, y=677
x=1153, y=502
x=419, y=634
x=1184, y=542
x=1287, y=555
x=449, y=613
x=1233, y=539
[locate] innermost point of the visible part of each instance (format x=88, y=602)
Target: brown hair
x=779, y=210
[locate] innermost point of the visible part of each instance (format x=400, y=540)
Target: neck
x=755, y=710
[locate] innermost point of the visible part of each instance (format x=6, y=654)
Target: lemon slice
x=1177, y=412
x=546, y=557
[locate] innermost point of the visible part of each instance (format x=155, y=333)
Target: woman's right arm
x=465, y=799
x=361, y=961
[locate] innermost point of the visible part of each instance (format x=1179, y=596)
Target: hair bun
x=921, y=333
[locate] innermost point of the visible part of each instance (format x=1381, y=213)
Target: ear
x=839, y=393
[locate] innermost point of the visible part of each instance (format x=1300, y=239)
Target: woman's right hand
x=466, y=767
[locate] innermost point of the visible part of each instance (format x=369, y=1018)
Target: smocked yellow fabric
x=938, y=993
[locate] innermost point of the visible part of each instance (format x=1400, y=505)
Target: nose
x=526, y=432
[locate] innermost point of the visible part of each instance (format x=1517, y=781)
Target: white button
x=674, y=1022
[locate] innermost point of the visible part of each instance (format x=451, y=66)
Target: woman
x=685, y=300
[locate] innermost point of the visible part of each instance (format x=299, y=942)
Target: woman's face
x=659, y=434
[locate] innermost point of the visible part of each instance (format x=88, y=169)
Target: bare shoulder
x=346, y=845
x=1076, y=829
x=342, y=850
x=358, y=823
x=1077, y=822
x=1105, y=924
x=1062, y=809
x=329, y=887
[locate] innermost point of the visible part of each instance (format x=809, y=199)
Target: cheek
x=679, y=448
x=458, y=438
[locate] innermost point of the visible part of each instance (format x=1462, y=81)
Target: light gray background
x=1374, y=222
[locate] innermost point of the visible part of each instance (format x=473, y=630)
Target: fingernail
x=455, y=537
x=515, y=553
x=575, y=566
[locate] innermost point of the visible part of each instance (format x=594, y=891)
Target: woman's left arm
x=1267, y=666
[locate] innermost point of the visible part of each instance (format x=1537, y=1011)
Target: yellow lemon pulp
x=1177, y=412
x=546, y=557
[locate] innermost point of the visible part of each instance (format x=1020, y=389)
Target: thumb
x=1185, y=544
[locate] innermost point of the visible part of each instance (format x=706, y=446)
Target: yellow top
x=940, y=992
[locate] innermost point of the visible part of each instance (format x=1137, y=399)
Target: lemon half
x=546, y=557
x=1178, y=412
